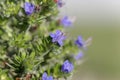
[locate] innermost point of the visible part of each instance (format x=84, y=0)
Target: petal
x=80, y=38
x=52, y=35
x=79, y=41
x=78, y=56
x=29, y=8
x=44, y=76
x=67, y=66
x=60, y=43
x=49, y=78
x=53, y=40
x=66, y=21
x=58, y=32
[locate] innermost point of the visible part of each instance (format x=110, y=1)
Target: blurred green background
x=99, y=19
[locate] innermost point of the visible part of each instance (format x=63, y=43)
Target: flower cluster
x=29, y=8
x=60, y=3
x=78, y=56
x=34, y=45
x=67, y=67
x=66, y=21
x=45, y=77
x=79, y=42
x=58, y=37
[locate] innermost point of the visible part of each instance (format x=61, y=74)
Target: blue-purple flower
x=67, y=67
x=66, y=21
x=29, y=8
x=79, y=55
x=79, y=42
x=60, y=3
x=46, y=77
x=58, y=37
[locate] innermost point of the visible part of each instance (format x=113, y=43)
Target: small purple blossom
x=58, y=37
x=29, y=8
x=78, y=56
x=67, y=67
x=66, y=21
x=60, y=3
x=79, y=42
x=46, y=77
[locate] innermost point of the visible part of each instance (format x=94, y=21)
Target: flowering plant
x=33, y=43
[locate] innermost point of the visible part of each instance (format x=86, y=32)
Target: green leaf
x=32, y=55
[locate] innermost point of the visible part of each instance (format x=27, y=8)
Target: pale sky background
x=93, y=12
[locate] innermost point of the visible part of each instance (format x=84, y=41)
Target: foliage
x=26, y=47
